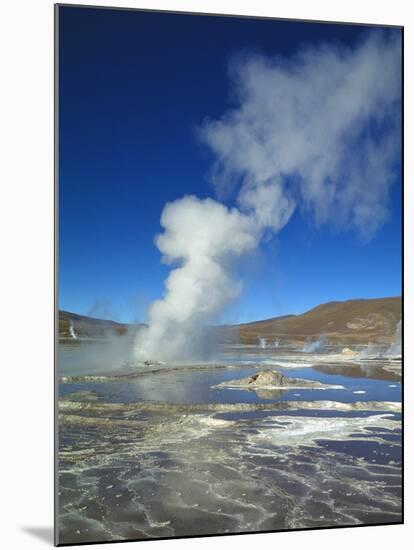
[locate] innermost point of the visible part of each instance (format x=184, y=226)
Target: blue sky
x=134, y=89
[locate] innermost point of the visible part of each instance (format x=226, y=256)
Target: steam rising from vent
x=72, y=331
x=319, y=131
x=262, y=342
x=204, y=237
x=317, y=345
x=371, y=351
x=395, y=347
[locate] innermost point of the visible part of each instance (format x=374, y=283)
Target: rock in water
x=267, y=378
x=349, y=352
x=273, y=380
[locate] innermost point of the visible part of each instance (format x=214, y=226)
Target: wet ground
x=152, y=451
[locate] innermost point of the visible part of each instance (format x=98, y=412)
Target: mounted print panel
x=229, y=311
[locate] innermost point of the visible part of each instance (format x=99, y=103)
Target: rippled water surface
x=161, y=450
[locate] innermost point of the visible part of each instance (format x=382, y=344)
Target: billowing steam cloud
x=319, y=131
x=204, y=236
x=328, y=120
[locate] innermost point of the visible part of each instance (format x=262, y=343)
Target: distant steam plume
x=319, y=131
x=72, y=331
x=317, y=345
x=395, y=348
x=262, y=342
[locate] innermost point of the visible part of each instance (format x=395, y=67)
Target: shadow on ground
x=44, y=534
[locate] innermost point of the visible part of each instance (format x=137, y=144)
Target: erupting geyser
x=299, y=133
x=203, y=236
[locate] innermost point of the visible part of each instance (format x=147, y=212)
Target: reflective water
x=155, y=451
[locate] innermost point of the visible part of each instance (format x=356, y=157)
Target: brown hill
x=353, y=321
x=350, y=322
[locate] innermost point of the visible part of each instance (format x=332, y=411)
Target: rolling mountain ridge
x=353, y=321
x=359, y=321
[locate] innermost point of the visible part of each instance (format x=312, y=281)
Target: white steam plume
x=317, y=345
x=327, y=121
x=320, y=131
x=396, y=346
x=204, y=236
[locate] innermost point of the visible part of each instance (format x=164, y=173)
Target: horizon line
x=244, y=322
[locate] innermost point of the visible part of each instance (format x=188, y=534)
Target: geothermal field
x=270, y=435
x=209, y=192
